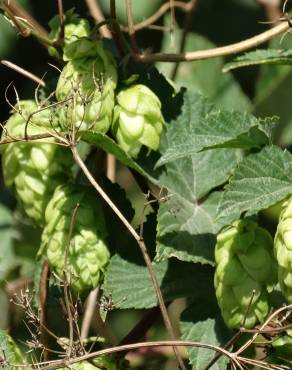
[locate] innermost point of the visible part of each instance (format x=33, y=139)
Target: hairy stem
x=138, y=240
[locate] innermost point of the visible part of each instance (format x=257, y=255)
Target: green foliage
x=260, y=181
x=204, y=164
x=265, y=56
x=11, y=355
x=202, y=126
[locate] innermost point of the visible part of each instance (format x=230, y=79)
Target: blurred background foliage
x=261, y=90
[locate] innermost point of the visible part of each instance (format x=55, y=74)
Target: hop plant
x=33, y=169
x=85, y=256
x=137, y=119
x=76, y=40
x=90, y=82
x=283, y=249
x=245, y=273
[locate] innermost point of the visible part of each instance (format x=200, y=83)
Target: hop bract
x=76, y=42
x=89, y=84
x=85, y=256
x=137, y=119
x=283, y=249
x=33, y=169
x=245, y=273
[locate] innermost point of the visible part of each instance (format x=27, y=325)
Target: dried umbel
x=137, y=119
x=89, y=84
x=81, y=253
x=283, y=249
x=245, y=273
x=33, y=169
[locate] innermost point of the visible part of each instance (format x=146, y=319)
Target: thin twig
x=90, y=308
x=226, y=346
x=23, y=71
x=269, y=319
x=128, y=347
x=61, y=16
x=132, y=33
x=98, y=16
x=136, y=237
x=160, y=12
x=18, y=11
x=215, y=52
x=43, y=293
x=272, y=9
x=187, y=25
x=66, y=283
x=28, y=138
x=116, y=31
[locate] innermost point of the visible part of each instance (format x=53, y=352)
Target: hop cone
x=86, y=255
x=245, y=272
x=76, y=42
x=90, y=82
x=137, y=119
x=33, y=169
x=283, y=249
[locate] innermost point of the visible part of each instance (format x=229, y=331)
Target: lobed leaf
x=260, y=180
x=201, y=322
x=200, y=125
x=261, y=56
x=129, y=283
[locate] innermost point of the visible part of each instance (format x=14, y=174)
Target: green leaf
x=203, y=76
x=129, y=283
x=261, y=56
x=273, y=93
x=187, y=229
x=10, y=352
x=201, y=322
x=200, y=126
x=110, y=146
x=260, y=181
x=7, y=256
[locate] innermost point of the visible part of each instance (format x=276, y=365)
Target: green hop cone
x=33, y=169
x=91, y=83
x=245, y=273
x=84, y=259
x=137, y=119
x=283, y=249
x=76, y=42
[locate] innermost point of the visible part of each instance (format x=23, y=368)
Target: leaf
x=129, y=283
x=187, y=230
x=110, y=146
x=261, y=56
x=10, y=352
x=201, y=126
x=260, y=181
x=273, y=93
x=7, y=256
x=202, y=76
x=201, y=322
